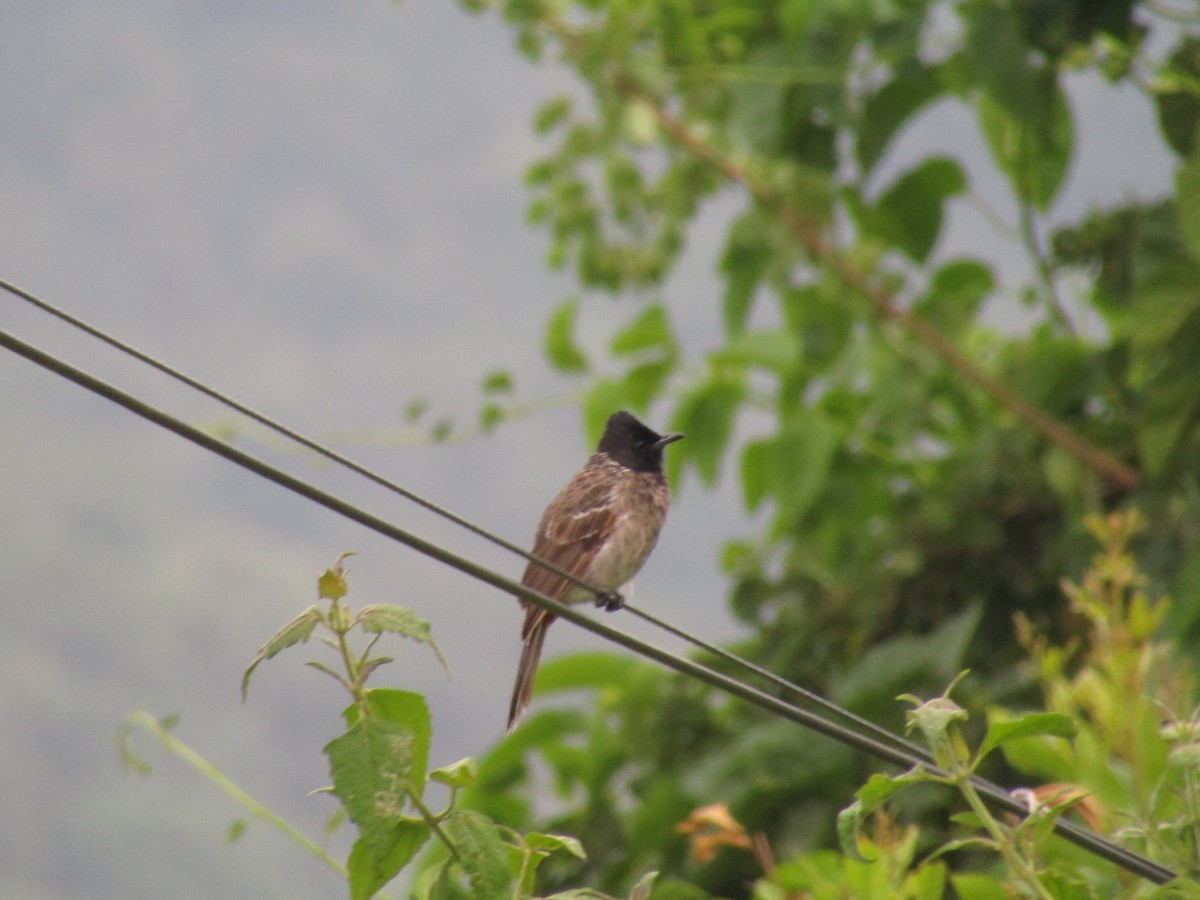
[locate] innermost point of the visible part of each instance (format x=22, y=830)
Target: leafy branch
x=816, y=243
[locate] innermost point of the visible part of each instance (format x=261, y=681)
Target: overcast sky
x=317, y=208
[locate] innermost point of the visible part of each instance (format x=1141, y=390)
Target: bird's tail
x=531, y=655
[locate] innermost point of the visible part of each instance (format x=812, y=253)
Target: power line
x=883, y=750
x=811, y=698
x=308, y=443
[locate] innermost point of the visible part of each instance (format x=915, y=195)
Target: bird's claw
x=610, y=601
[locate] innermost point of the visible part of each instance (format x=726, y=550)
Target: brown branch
x=821, y=250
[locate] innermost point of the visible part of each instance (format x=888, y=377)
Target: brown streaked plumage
x=600, y=527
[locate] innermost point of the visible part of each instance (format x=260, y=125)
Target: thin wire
x=781, y=682
x=290, y=433
x=1069, y=830
x=809, y=696
x=334, y=456
x=919, y=753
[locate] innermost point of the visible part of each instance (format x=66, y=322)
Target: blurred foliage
x=920, y=476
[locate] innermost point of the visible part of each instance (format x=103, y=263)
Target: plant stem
x=183, y=751
x=1017, y=863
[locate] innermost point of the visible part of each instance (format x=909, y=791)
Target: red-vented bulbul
x=600, y=528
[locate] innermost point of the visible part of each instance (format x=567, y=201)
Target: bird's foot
x=610, y=601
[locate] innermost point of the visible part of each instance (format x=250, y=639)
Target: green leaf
x=552, y=843
x=1187, y=203
x=586, y=671
x=909, y=213
x=373, y=865
x=774, y=349
x=900, y=662
x=332, y=584
x=297, y=631
x=644, y=383
x=706, y=416
x=498, y=382
x=748, y=254
x=889, y=108
x=606, y=396
x=958, y=289
x=934, y=718
x=979, y=887
x=481, y=852
x=408, y=710
x=677, y=890
x=1179, y=110
x=651, y=329
x=559, y=342
x=642, y=890
x=1033, y=155
x=387, y=617
x=463, y=773
x=792, y=466
x=1001, y=731
x=867, y=799
x=371, y=765
x=551, y=113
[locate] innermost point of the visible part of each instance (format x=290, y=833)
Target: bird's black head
x=632, y=444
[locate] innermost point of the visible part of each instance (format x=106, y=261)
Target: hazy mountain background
x=317, y=208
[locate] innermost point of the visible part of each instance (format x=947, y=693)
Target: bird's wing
x=575, y=523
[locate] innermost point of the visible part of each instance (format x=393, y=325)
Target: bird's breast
x=640, y=504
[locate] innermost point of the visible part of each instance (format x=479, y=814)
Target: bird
x=601, y=528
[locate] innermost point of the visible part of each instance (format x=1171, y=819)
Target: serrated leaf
x=297, y=631
x=371, y=765
x=371, y=866
x=1039, y=724
x=559, y=343
x=408, y=710
x=378, y=618
x=481, y=851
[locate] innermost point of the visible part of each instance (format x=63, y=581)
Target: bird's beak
x=667, y=439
